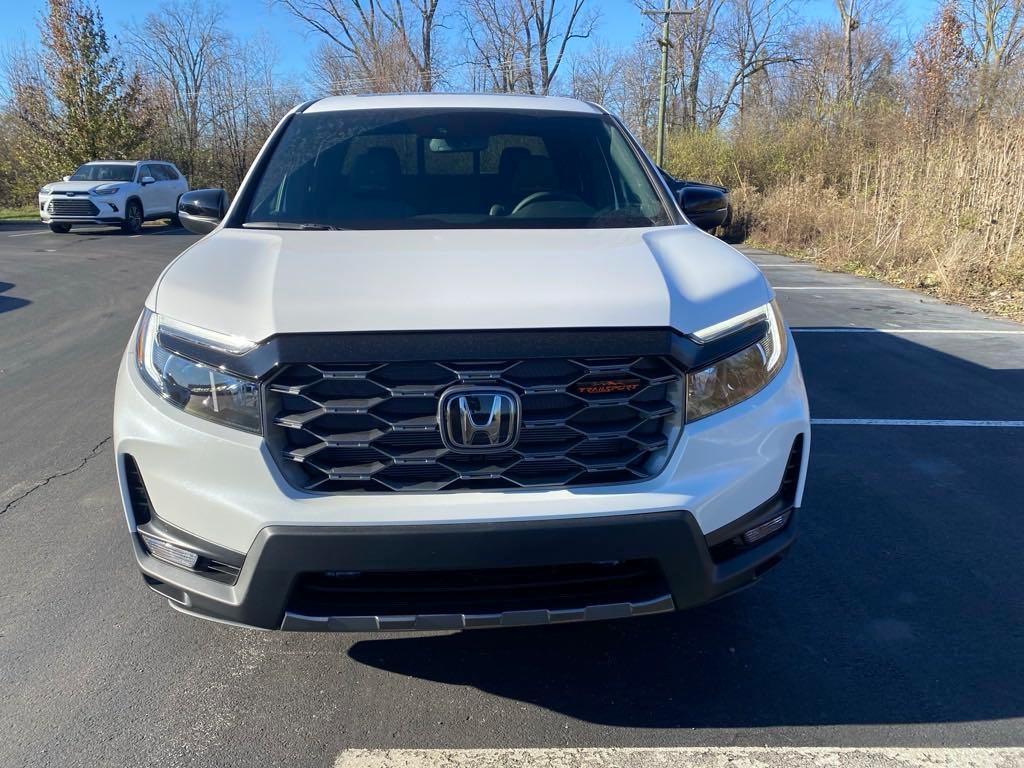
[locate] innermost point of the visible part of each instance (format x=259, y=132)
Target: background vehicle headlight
x=194, y=387
x=106, y=190
x=45, y=191
x=734, y=379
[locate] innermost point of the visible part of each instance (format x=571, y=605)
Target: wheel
x=132, y=218
x=60, y=229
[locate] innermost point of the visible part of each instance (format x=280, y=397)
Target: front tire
x=60, y=229
x=133, y=217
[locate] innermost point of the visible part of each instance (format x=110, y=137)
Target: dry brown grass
x=945, y=215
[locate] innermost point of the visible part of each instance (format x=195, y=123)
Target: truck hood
x=257, y=283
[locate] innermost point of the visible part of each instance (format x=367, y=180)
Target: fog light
x=169, y=553
x=764, y=530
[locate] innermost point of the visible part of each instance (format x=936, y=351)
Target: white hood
x=257, y=283
x=78, y=186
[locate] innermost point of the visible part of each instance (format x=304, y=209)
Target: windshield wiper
x=309, y=226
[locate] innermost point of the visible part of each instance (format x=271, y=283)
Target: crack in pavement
x=96, y=449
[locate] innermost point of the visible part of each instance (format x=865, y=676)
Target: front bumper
x=265, y=593
x=109, y=210
x=219, y=485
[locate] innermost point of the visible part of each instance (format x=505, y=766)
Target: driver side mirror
x=67, y=178
x=147, y=180
x=201, y=210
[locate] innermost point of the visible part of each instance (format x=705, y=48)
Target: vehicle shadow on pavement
x=902, y=601
x=150, y=228
x=9, y=303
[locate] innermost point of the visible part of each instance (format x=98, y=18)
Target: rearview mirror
x=201, y=210
x=458, y=144
x=706, y=206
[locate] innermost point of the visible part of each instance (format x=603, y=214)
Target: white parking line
x=28, y=234
x=919, y=423
x=901, y=331
x=683, y=757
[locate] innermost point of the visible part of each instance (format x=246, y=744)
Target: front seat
x=375, y=187
x=506, y=193
x=535, y=173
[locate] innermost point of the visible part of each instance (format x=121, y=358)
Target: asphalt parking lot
x=897, y=621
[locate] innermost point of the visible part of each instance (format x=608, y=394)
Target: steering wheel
x=537, y=197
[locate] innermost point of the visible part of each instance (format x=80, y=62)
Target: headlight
x=45, y=191
x=741, y=375
x=194, y=387
x=106, y=190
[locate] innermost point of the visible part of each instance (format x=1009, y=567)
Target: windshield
x=453, y=168
x=104, y=172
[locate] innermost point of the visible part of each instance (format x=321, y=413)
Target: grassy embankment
x=944, y=215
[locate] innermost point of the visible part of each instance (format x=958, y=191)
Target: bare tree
x=521, y=44
x=995, y=31
x=555, y=27
x=636, y=95
x=695, y=37
x=849, y=22
x=245, y=104
x=373, y=44
x=495, y=30
x=596, y=73
x=756, y=39
x=179, y=47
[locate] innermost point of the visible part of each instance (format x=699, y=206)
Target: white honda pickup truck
x=449, y=362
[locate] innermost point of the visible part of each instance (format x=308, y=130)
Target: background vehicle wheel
x=174, y=220
x=61, y=229
x=132, y=218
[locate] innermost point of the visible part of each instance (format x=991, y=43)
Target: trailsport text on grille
x=450, y=362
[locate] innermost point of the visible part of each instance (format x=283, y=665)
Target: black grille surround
x=373, y=427
x=71, y=206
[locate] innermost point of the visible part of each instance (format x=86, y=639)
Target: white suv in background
x=122, y=193
x=455, y=361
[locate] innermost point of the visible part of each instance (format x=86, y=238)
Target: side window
x=167, y=173
x=146, y=170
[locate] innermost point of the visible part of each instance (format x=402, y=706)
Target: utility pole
x=665, y=42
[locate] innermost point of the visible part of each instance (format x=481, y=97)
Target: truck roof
x=453, y=100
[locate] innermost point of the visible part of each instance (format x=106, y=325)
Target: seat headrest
x=511, y=158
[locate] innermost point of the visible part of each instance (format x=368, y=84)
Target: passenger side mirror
x=201, y=210
x=147, y=180
x=707, y=207
x=67, y=178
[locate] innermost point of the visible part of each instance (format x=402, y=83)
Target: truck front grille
x=73, y=207
x=374, y=427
